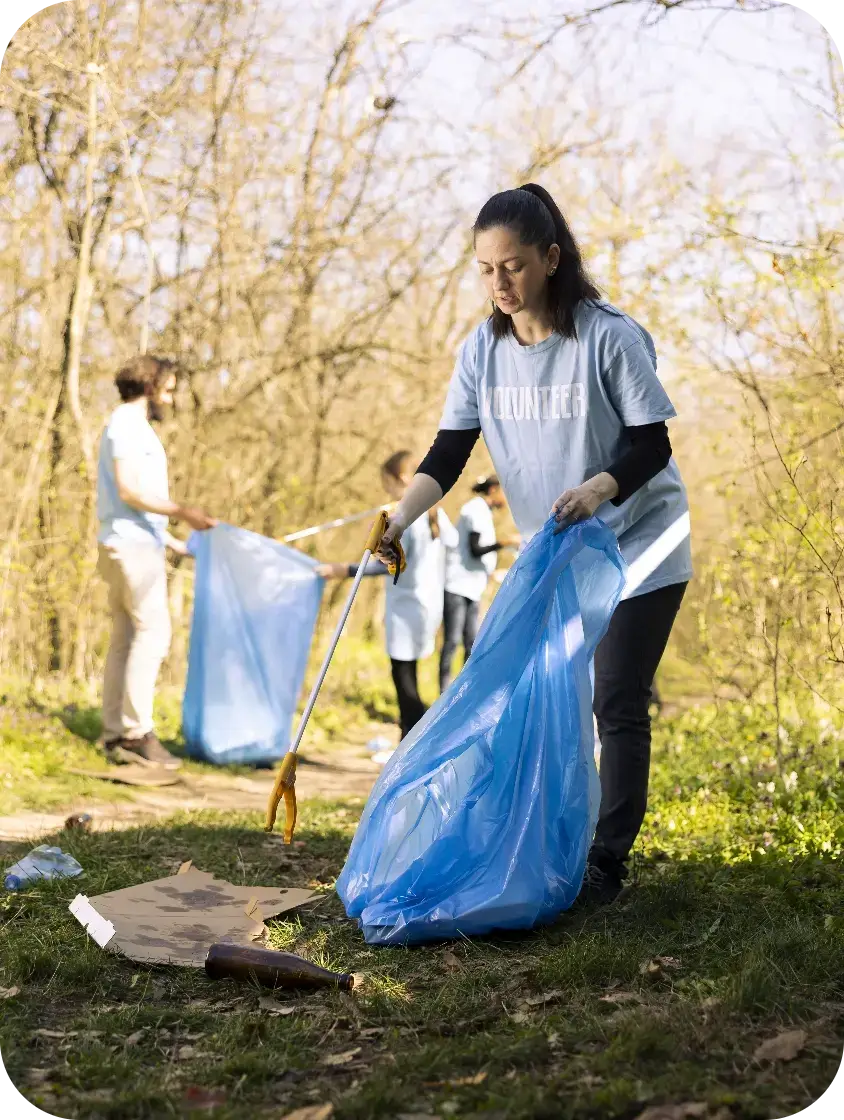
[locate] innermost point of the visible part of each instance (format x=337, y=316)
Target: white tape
x=95, y=924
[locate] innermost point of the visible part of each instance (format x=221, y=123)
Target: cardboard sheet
x=175, y=920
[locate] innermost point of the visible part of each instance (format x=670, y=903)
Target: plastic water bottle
x=378, y=744
x=42, y=862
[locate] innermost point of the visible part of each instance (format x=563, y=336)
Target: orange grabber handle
x=285, y=786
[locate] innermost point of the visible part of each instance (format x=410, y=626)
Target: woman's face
x=495, y=498
x=515, y=275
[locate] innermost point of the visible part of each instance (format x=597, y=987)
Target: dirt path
x=345, y=770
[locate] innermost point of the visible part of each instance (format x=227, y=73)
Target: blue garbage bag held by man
x=255, y=607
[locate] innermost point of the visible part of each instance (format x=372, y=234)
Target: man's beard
x=155, y=411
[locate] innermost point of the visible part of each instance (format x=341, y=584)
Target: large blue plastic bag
x=483, y=817
x=255, y=606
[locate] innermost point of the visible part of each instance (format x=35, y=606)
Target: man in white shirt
x=133, y=507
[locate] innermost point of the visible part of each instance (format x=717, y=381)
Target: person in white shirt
x=414, y=606
x=467, y=571
x=133, y=508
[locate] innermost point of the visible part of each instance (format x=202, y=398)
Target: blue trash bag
x=255, y=606
x=483, y=817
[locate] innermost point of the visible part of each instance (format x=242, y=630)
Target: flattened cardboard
x=175, y=920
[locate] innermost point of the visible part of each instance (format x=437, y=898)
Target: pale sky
x=717, y=82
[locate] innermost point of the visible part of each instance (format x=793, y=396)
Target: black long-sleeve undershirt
x=648, y=454
x=478, y=550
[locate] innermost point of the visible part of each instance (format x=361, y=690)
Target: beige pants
x=136, y=575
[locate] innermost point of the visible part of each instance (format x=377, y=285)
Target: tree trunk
x=47, y=519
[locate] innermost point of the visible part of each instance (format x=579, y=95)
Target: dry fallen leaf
x=451, y=960
x=9, y=993
x=371, y=1032
x=197, y=1098
x=191, y=1053
x=782, y=1048
x=43, y=1032
x=340, y=1059
x=546, y=997
x=621, y=997
x=312, y=1112
x=273, y=1007
x=688, y=1111
x=134, y=1038
x=38, y=1076
x=657, y=967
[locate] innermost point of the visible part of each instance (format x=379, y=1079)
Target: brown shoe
x=147, y=750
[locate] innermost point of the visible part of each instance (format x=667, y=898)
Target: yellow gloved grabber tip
x=285, y=786
x=397, y=563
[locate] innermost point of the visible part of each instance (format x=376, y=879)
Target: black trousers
x=625, y=664
x=460, y=620
x=411, y=708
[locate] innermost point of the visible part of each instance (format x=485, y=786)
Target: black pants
x=625, y=664
x=460, y=620
x=411, y=708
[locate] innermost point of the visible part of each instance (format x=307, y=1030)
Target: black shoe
x=603, y=881
x=147, y=750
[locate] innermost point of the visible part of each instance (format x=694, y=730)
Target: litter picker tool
x=285, y=783
x=300, y=534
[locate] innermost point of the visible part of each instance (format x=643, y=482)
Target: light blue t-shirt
x=129, y=435
x=552, y=416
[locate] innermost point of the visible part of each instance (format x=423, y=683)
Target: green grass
x=52, y=728
x=47, y=733
x=738, y=878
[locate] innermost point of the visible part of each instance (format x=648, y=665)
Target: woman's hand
x=580, y=503
x=386, y=551
x=332, y=571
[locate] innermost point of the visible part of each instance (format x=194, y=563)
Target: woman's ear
x=553, y=258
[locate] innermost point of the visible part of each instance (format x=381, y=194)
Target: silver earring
x=551, y=273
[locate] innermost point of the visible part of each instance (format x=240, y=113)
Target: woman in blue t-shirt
x=564, y=388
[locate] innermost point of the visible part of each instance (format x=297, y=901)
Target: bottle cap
x=11, y=882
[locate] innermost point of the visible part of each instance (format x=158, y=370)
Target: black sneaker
x=147, y=750
x=603, y=881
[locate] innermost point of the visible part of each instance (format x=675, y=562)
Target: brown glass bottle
x=271, y=969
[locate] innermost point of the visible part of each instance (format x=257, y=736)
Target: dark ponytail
x=486, y=483
x=533, y=215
